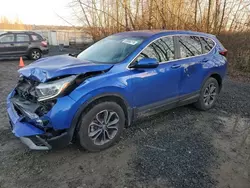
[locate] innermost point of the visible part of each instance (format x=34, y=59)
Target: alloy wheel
x=210, y=94
x=104, y=127
x=35, y=54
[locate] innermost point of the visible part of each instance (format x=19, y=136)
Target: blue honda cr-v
x=93, y=96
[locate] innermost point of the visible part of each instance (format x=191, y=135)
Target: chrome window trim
x=163, y=62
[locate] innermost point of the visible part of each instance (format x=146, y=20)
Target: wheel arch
x=120, y=100
x=34, y=48
x=217, y=77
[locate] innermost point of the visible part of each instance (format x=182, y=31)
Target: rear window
x=36, y=37
x=207, y=43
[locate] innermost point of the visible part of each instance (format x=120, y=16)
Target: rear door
x=191, y=58
x=22, y=43
x=7, y=46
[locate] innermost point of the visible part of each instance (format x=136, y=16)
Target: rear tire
x=101, y=126
x=208, y=94
x=35, y=54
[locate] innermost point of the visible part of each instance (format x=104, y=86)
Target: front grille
x=26, y=98
x=26, y=89
x=17, y=110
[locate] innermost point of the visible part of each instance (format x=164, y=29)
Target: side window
x=167, y=44
x=162, y=50
x=189, y=46
x=207, y=43
x=36, y=37
x=22, y=38
x=7, y=38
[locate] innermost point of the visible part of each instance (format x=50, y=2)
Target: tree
x=104, y=17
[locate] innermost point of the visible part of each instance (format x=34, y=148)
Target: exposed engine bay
x=25, y=98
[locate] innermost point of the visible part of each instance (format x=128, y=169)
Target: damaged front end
x=40, y=108
x=30, y=119
x=39, y=112
x=26, y=101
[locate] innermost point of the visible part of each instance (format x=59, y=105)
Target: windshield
x=112, y=49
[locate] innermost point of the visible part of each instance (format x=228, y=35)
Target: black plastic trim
x=166, y=104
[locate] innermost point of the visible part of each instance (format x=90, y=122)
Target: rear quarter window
x=207, y=44
x=36, y=37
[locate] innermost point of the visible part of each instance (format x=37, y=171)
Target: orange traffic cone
x=21, y=63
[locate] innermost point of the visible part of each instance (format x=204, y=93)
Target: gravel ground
x=178, y=148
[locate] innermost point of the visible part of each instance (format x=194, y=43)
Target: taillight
x=223, y=52
x=44, y=44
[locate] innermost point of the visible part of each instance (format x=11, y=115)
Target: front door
x=7, y=46
x=153, y=87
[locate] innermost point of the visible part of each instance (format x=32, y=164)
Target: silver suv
x=29, y=44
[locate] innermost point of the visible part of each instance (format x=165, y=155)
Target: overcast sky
x=39, y=12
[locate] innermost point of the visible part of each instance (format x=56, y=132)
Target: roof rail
x=28, y=32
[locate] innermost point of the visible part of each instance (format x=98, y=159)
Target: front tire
x=208, y=94
x=101, y=126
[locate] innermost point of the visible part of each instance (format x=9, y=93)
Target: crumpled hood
x=56, y=66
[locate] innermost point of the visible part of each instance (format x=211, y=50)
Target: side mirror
x=146, y=63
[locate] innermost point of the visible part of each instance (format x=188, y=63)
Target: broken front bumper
x=35, y=137
x=25, y=131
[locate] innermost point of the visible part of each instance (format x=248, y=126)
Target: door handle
x=12, y=44
x=175, y=66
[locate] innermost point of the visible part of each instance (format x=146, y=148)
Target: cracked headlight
x=52, y=89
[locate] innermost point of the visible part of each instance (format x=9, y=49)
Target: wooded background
x=228, y=19
x=213, y=16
